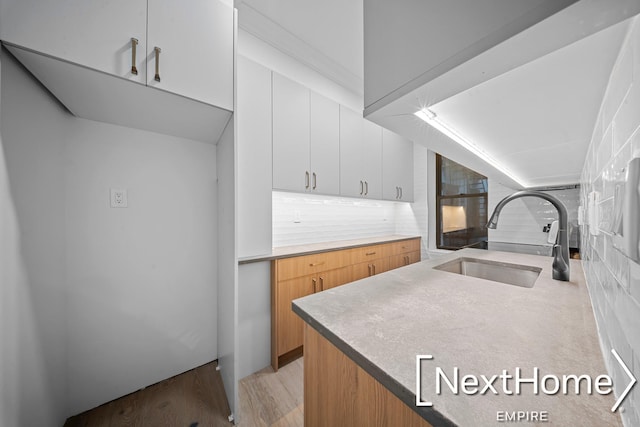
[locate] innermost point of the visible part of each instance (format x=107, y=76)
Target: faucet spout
x=561, y=270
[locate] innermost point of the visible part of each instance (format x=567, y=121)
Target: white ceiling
x=537, y=119
x=533, y=107
x=325, y=35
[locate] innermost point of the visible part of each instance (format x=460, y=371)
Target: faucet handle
x=560, y=266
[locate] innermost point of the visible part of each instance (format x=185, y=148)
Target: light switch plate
x=119, y=198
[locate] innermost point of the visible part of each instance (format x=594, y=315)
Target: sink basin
x=511, y=274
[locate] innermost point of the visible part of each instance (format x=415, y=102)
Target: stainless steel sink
x=511, y=274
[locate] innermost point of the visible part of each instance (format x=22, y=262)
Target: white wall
x=141, y=280
x=522, y=220
x=227, y=275
x=123, y=298
x=254, y=317
x=254, y=166
x=274, y=59
x=613, y=278
x=33, y=386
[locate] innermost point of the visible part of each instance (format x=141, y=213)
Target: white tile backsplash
x=522, y=220
x=612, y=278
x=329, y=218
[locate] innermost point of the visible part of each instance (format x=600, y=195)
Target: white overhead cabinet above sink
x=360, y=156
x=305, y=139
x=322, y=147
x=89, y=54
x=397, y=167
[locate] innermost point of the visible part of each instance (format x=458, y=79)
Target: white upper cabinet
x=397, y=167
x=118, y=37
x=360, y=156
x=372, y=159
x=351, y=181
x=306, y=142
x=290, y=135
x=99, y=59
x=325, y=145
x=194, y=44
x=93, y=33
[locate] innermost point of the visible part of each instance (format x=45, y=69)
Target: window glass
x=461, y=206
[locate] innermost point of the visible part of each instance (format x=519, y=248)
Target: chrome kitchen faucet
x=561, y=247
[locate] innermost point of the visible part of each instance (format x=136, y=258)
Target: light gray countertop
x=314, y=248
x=481, y=327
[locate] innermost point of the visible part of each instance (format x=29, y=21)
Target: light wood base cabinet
x=338, y=392
x=296, y=277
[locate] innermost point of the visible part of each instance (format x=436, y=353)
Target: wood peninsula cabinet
x=298, y=276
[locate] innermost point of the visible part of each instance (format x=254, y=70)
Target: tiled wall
x=613, y=279
x=522, y=220
x=327, y=218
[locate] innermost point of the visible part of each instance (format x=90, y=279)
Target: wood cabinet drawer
x=299, y=276
x=333, y=278
x=400, y=260
x=370, y=268
x=290, y=325
x=405, y=246
x=289, y=268
x=370, y=253
x=414, y=257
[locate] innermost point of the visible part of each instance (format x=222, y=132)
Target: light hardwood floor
x=197, y=399
x=193, y=399
x=273, y=399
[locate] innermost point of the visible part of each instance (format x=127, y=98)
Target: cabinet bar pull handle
x=397, y=193
x=369, y=269
x=400, y=192
x=313, y=282
x=361, y=188
x=374, y=269
x=321, y=284
x=134, y=44
x=366, y=188
x=370, y=253
x=306, y=179
x=314, y=180
x=313, y=264
x=157, y=50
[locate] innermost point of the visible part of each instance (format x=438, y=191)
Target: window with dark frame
x=461, y=206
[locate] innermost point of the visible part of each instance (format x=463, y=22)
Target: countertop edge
x=431, y=415
x=340, y=245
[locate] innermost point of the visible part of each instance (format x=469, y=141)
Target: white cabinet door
x=93, y=33
x=196, y=49
x=351, y=158
x=372, y=159
x=325, y=145
x=253, y=115
x=291, y=169
x=397, y=167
